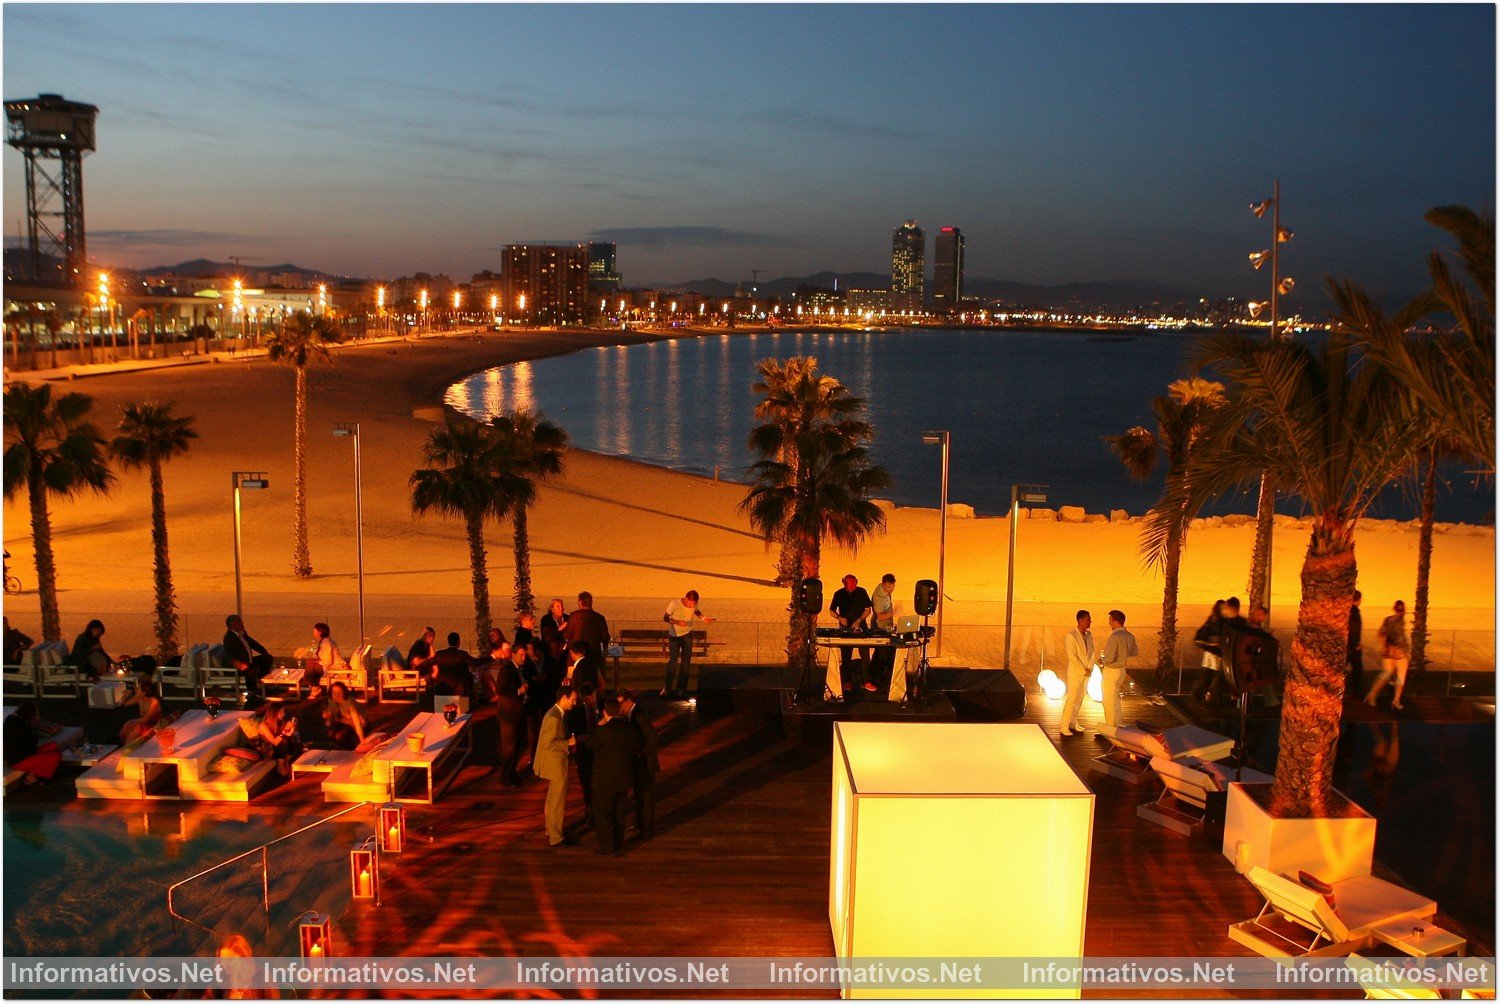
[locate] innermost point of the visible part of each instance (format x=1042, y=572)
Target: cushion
x=1148, y=728
x=240, y=753
x=1319, y=886
x=228, y=763
x=1366, y=902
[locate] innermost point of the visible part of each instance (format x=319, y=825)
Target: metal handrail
x=265, y=872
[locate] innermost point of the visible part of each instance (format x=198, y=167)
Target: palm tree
x=1333, y=430
x=797, y=398
x=824, y=494
x=51, y=450
x=150, y=435
x=1453, y=373
x=1182, y=415
x=530, y=452
x=302, y=339
x=462, y=482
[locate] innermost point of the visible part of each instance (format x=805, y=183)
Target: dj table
x=908, y=658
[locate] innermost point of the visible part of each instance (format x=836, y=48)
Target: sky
x=1069, y=142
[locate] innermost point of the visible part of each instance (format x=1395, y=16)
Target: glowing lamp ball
x=956, y=839
x=1096, y=687
x=1055, y=689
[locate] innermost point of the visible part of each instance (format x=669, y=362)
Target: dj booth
x=908, y=658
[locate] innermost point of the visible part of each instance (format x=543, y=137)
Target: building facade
x=908, y=266
x=545, y=284
x=948, y=270
x=604, y=276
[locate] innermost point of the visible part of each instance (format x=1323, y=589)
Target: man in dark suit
x=452, y=672
x=583, y=719
x=647, y=765
x=588, y=626
x=510, y=714
x=582, y=667
x=244, y=653
x=616, y=744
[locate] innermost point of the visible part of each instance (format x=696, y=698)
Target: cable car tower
x=54, y=135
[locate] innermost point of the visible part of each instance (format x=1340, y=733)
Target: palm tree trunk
x=46, y=566
x=166, y=600
x=481, y=576
x=797, y=629
x=1260, y=556
x=525, y=602
x=301, y=558
x=1166, y=648
x=1314, y=695
x=1424, y=567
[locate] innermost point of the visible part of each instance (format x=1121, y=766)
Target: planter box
x=1331, y=849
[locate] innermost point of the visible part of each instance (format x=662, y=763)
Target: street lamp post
x=422, y=303
x=1031, y=495
x=247, y=481
x=351, y=430
x=941, y=438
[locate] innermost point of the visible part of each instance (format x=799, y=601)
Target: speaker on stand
x=924, y=603
x=810, y=603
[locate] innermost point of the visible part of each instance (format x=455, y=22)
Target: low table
x=86, y=755
x=445, y=749
x=110, y=692
x=322, y=761
x=289, y=677
x=1420, y=941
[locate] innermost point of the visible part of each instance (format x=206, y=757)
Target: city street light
x=1030, y=495
x=351, y=430
x=941, y=438
x=248, y=481
x=422, y=303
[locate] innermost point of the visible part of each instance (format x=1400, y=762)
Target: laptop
x=907, y=624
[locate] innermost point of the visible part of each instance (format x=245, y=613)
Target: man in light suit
x=1119, y=649
x=1080, y=648
x=551, y=761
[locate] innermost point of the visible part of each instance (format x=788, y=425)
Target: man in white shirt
x=1119, y=649
x=1079, y=645
x=679, y=617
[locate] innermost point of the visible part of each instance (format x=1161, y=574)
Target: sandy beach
x=633, y=534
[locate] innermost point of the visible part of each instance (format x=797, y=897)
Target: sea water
x=1022, y=407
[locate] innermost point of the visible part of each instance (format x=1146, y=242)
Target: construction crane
x=755, y=279
x=237, y=259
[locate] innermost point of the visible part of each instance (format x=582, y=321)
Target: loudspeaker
x=926, y=600
x=810, y=596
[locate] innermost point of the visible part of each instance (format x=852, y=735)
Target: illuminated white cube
x=968, y=840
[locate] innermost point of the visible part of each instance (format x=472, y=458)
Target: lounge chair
x=1189, y=786
x=393, y=675
x=214, y=673
x=55, y=676
x=356, y=677
x=20, y=678
x=180, y=682
x=1367, y=910
x=1380, y=990
x=1132, y=747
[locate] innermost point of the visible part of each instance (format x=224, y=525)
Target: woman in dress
x=1395, y=656
x=148, y=700
x=1210, y=641
x=346, y=726
x=554, y=643
x=37, y=761
x=88, y=650
x=271, y=734
x=422, y=650
x=325, y=658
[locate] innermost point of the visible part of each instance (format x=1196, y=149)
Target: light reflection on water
x=86, y=882
x=1023, y=406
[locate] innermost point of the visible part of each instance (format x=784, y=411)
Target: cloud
x=165, y=238
x=661, y=237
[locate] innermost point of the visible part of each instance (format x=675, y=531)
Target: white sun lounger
x=1188, y=784
x=1380, y=990
x=1369, y=910
x=1132, y=747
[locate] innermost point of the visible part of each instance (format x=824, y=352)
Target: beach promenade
x=633, y=534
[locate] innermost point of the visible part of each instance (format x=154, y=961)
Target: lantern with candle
x=450, y=713
x=315, y=935
x=364, y=870
x=391, y=828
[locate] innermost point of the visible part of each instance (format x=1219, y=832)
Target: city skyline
x=1087, y=143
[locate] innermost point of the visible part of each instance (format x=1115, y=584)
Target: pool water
x=93, y=881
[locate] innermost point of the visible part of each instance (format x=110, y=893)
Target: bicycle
x=12, y=584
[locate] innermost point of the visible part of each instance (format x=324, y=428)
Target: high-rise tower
x=46, y=128
x=908, y=266
x=948, y=269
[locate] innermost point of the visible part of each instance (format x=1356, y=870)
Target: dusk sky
x=1069, y=142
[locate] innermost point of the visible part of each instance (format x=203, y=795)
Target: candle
x=316, y=950
x=364, y=882
x=393, y=839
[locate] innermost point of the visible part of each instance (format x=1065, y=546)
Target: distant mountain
x=200, y=267
x=1076, y=295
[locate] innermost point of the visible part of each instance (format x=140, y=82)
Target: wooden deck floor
x=739, y=865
